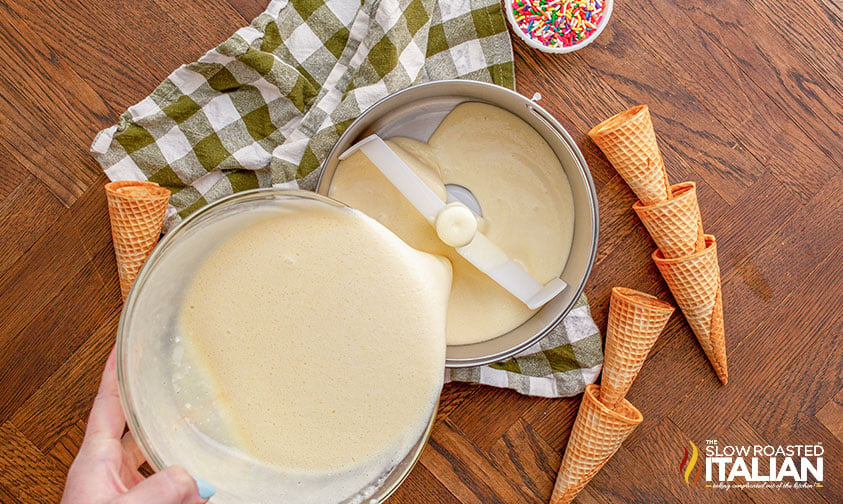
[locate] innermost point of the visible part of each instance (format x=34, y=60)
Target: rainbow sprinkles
x=559, y=23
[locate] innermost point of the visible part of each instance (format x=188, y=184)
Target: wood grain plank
x=6, y=496
x=748, y=257
x=810, y=428
x=835, y=7
x=25, y=214
x=626, y=246
x=66, y=396
x=526, y=461
x=739, y=103
x=217, y=17
x=774, y=137
x=453, y=394
x=422, y=486
x=24, y=470
x=122, y=53
x=32, y=72
x=769, y=61
x=781, y=428
x=756, y=286
x=819, y=48
x=617, y=219
x=11, y=173
x=92, y=222
x=677, y=358
x=488, y=413
x=464, y=469
x=680, y=119
x=628, y=264
x=679, y=365
x=37, y=278
x=30, y=76
x=766, y=201
x=591, y=496
x=831, y=415
x=817, y=377
x=68, y=444
x=249, y=9
x=38, y=350
x=660, y=451
x=580, y=97
x=762, y=357
x=742, y=433
x=745, y=228
x=552, y=420
x=65, y=170
x=649, y=472
x=93, y=228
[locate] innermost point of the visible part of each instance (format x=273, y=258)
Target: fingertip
x=184, y=484
x=206, y=489
x=172, y=485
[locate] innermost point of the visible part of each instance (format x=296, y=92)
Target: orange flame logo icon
x=686, y=467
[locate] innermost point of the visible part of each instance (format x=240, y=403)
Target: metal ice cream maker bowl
x=416, y=112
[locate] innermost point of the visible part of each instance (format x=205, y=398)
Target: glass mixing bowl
x=148, y=349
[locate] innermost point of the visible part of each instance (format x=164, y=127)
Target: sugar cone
x=137, y=213
x=597, y=434
x=694, y=281
x=675, y=224
x=629, y=143
x=636, y=320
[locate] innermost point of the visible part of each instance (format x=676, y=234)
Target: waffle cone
x=675, y=224
x=636, y=320
x=694, y=281
x=597, y=434
x=136, y=210
x=629, y=143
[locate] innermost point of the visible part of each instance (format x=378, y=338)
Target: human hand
x=105, y=470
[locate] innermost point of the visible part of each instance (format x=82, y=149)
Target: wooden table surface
x=746, y=101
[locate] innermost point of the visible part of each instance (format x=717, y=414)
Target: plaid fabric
x=560, y=365
x=266, y=106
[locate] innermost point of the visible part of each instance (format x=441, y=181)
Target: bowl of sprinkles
x=558, y=26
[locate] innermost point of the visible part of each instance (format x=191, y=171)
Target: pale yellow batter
x=523, y=193
x=324, y=336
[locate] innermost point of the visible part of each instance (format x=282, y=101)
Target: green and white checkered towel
x=265, y=107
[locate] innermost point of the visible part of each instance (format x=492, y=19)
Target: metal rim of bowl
x=134, y=424
x=563, y=136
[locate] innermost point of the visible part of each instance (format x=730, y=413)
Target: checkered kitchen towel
x=266, y=106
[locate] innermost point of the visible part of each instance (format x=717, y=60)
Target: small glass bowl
x=530, y=41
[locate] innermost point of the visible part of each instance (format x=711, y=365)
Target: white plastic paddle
x=456, y=226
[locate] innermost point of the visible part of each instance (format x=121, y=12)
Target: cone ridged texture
x=694, y=281
x=636, y=320
x=136, y=210
x=629, y=143
x=597, y=434
x=675, y=224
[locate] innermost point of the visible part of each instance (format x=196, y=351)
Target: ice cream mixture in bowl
x=517, y=170
x=286, y=348
x=289, y=348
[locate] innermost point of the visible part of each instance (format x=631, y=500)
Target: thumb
x=173, y=485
